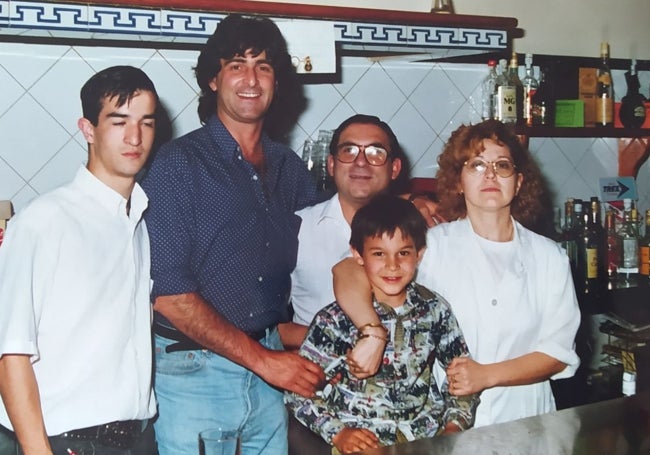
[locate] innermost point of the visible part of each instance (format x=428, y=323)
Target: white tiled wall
x=40, y=146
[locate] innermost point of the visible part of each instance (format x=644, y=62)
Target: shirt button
x=268, y=244
x=259, y=278
x=255, y=177
x=494, y=302
x=239, y=157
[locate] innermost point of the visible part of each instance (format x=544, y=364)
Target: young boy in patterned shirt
x=403, y=401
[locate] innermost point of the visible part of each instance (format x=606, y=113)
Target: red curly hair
x=468, y=141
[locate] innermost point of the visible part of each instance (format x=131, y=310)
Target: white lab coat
x=532, y=308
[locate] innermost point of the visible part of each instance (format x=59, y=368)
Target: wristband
x=366, y=335
x=377, y=325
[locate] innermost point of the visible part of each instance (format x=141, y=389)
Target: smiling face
x=245, y=86
x=121, y=142
x=487, y=191
x=390, y=264
x=359, y=181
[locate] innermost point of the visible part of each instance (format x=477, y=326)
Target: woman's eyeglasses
x=502, y=167
x=375, y=155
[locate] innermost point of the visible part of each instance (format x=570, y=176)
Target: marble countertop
x=619, y=426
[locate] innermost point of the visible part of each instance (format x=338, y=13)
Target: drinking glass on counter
x=218, y=441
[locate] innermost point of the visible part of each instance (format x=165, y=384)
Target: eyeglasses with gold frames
x=502, y=167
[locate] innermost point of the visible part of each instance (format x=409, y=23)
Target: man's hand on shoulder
x=289, y=371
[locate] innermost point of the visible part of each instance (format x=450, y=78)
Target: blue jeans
x=199, y=390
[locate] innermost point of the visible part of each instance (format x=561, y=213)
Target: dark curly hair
x=235, y=35
x=468, y=141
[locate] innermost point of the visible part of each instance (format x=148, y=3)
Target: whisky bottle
x=612, y=250
x=588, y=252
x=530, y=85
x=605, y=90
x=510, y=95
x=629, y=270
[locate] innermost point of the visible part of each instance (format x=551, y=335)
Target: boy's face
x=390, y=264
x=120, y=143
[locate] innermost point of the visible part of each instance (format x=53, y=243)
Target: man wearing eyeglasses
x=365, y=158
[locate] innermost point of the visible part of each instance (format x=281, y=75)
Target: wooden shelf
x=549, y=131
x=322, y=12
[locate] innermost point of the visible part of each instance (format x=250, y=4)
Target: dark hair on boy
x=235, y=35
x=384, y=214
x=121, y=82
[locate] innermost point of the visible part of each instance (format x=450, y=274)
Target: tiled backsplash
x=423, y=102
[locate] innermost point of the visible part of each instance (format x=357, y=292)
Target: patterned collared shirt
x=403, y=395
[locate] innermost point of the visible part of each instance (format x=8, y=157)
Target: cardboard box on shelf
x=587, y=87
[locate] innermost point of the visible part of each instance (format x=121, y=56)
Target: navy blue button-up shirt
x=220, y=228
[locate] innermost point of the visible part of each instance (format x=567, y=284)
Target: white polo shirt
x=74, y=295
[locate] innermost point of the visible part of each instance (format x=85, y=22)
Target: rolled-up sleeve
x=561, y=317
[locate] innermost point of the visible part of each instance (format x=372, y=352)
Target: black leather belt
x=119, y=435
x=185, y=343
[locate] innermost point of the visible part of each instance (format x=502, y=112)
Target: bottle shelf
x=551, y=131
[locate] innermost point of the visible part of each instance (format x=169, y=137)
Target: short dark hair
x=235, y=35
x=384, y=214
x=363, y=119
x=121, y=82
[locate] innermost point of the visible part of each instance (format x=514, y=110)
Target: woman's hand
x=350, y=440
x=466, y=376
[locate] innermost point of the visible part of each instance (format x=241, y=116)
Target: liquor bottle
x=588, y=254
x=605, y=90
x=644, y=252
x=612, y=250
x=632, y=112
x=568, y=233
x=544, y=100
x=489, y=87
x=629, y=269
x=510, y=95
x=530, y=88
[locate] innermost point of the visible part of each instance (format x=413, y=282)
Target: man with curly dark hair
x=224, y=240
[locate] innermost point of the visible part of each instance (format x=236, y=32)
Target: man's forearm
x=193, y=316
x=292, y=335
x=21, y=399
x=353, y=292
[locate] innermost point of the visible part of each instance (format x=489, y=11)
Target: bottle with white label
x=510, y=95
x=628, y=272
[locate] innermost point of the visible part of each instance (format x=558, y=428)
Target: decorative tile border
x=43, y=15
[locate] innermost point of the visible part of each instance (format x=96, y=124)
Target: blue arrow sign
x=617, y=188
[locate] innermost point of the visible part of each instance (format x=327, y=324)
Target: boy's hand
x=350, y=440
x=451, y=428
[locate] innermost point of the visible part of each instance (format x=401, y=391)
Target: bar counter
x=619, y=426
